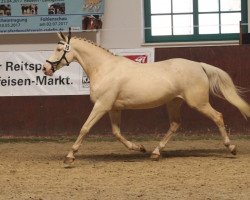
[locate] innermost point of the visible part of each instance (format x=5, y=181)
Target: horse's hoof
x=233, y=149
x=68, y=162
x=142, y=149
x=155, y=157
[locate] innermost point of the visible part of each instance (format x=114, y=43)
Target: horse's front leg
x=115, y=118
x=98, y=111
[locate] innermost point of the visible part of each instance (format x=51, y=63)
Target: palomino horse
x=117, y=83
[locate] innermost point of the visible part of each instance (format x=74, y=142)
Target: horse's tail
x=222, y=86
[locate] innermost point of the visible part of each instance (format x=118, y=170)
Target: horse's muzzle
x=47, y=72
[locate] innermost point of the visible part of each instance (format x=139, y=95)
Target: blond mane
x=94, y=44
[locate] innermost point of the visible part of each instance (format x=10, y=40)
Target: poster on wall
x=21, y=73
x=28, y=16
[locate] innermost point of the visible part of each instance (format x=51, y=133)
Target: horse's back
x=173, y=71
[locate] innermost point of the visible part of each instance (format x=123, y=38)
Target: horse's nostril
x=44, y=69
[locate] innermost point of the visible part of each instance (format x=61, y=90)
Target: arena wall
x=64, y=115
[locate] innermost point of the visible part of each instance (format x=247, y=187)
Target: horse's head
x=62, y=55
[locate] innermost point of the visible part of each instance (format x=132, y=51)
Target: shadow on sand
x=170, y=154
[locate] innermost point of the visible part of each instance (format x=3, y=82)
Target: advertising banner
x=21, y=73
x=23, y=16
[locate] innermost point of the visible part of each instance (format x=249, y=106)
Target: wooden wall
x=64, y=115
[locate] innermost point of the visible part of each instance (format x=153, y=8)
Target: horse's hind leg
x=115, y=117
x=217, y=117
x=175, y=121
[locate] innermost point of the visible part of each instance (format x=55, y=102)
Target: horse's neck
x=90, y=56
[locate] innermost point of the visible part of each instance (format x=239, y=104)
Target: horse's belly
x=136, y=105
x=146, y=90
x=142, y=100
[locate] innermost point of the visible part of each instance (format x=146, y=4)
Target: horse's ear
x=61, y=36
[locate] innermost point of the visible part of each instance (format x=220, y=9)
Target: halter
x=66, y=49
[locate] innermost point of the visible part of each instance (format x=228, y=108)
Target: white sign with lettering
x=21, y=74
